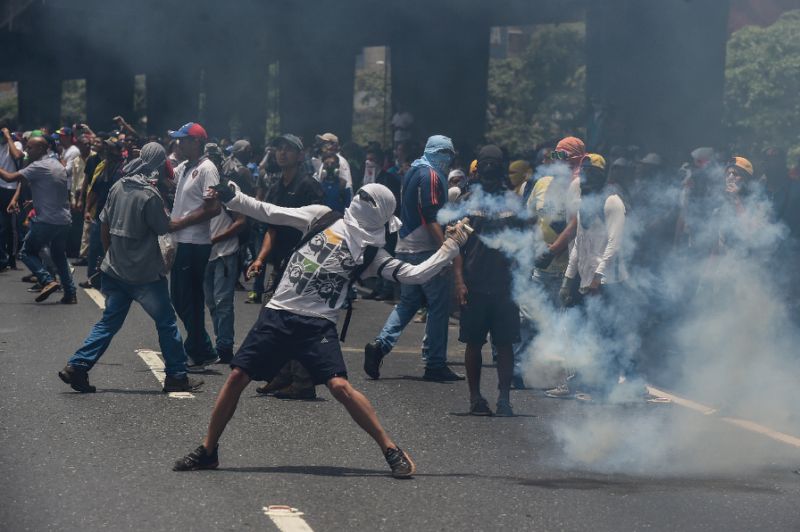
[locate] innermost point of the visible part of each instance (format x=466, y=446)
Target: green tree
x=762, y=84
x=540, y=94
x=372, y=94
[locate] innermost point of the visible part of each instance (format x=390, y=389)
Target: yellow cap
x=595, y=160
x=473, y=167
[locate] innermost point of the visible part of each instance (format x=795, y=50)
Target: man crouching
x=300, y=320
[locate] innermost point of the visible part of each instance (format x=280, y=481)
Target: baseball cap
x=240, y=145
x=113, y=141
x=328, y=137
x=742, y=164
x=190, y=129
x=292, y=140
x=594, y=160
x=65, y=131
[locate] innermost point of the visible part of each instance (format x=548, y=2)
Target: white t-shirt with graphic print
x=316, y=277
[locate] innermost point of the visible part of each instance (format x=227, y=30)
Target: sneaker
x=85, y=284
x=561, y=391
x=200, y=367
x=77, y=378
x=479, y=407
x=292, y=392
x=186, y=384
x=421, y=317
x=373, y=358
x=253, y=298
x=401, y=464
x=200, y=458
x=48, y=289
x=36, y=287
x=224, y=355
x=69, y=299
x=504, y=409
x=518, y=383
x=30, y=279
x=442, y=374
x=80, y=262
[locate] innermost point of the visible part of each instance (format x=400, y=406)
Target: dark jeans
x=55, y=236
x=8, y=234
x=186, y=290
x=154, y=299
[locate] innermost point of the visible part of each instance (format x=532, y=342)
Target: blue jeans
x=95, y=253
x=436, y=293
x=154, y=299
x=220, y=282
x=55, y=236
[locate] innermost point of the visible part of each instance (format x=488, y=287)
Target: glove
x=224, y=192
x=544, y=260
x=458, y=233
x=565, y=293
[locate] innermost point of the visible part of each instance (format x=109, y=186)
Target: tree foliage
x=372, y=94
x=762, y=86
x=540, y=94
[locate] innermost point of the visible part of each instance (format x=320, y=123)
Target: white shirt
x=192, y=183
x=598, y=249
x=316, y=278
x=344, y=170
x=223, y=248
x=67, y=157
x=7, y=164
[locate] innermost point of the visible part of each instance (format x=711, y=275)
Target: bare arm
x=565, y=237
x=234, y=229
x=15, y=152
x=11, y=177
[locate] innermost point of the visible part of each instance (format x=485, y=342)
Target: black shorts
x=279, y=336
x=493, y=314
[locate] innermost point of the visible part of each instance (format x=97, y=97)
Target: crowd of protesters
x=180, y=224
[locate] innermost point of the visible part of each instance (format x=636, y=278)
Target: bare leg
x=505, y=370
x=360, y=410
x=227, y=400
x=473, y=361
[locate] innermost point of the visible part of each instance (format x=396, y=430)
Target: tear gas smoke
x=709, y=317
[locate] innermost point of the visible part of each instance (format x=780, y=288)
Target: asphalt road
x=102, y=461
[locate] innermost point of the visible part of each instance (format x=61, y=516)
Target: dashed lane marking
x=287, y=519
x=97, y=297
x=156, y=365
x=741, y=423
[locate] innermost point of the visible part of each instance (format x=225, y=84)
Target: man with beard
x=424, y=193
x=483, y=287
x=299, y=322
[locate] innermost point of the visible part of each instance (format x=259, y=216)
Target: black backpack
x=322, y=223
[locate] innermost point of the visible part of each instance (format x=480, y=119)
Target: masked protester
x=595, y=278
x=299, y=322
x=424, y=193
x=519, y=174
x=483, y=288
x=133, y=270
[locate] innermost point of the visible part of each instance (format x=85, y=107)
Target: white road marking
x=741, y=423
x=156, y=365
x=97, y=297
x=287, y=519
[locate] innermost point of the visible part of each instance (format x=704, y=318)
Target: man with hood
x=133, y=270
x=424, y=193
x=483, y=280
x=299, y=321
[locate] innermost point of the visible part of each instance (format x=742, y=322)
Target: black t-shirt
x=301, y=191
x=488, y=270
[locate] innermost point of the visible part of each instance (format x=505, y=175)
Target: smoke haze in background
x=709, y=318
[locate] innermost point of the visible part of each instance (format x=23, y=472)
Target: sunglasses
x=559, y=155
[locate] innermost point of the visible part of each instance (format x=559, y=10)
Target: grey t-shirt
x=135, y=216
x=50, y=190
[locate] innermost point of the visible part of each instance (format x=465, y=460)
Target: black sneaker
x=224, y=356
x=80, y=262
x=442, y=374
x=69, y=299
x=29, y=279
x=373, y=358
x=479, y=407
x=35, y=287
x=186, y=384
x=200, y=458
x=504, y=409
x=401, y=464
x=77, y=378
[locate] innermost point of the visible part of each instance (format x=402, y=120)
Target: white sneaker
x=561, y=391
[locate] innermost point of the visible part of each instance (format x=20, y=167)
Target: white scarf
x=365, y=223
